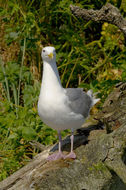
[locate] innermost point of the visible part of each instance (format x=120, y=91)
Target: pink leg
x=71, y=154
x=59, y=154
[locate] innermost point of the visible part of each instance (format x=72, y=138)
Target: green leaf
x=28, y=133
x=13, y=136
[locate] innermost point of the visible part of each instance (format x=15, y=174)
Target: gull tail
x=93, y=97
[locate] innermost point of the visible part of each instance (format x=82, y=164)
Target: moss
x=100, y=166
x=84, y=159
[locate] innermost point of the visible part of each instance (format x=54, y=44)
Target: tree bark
x=108, y=13
x=101, y=156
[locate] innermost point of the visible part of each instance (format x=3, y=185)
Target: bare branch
x=108, y=13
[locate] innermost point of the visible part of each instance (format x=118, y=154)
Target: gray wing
x=80, y=101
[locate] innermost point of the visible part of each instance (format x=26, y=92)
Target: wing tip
x=93, y=97
x=95, y=100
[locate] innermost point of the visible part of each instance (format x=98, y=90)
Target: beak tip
x=50, y=55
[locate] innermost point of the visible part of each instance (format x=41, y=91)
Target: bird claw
x=55, y=156
x=71, y=155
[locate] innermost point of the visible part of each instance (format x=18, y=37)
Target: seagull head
x=49, y=54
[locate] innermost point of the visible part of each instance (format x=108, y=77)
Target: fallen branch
x=108, y=13
x=100, y=162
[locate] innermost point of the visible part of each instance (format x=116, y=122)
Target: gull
x=61, y=108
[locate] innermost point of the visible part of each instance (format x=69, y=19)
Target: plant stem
x=15, y=94
x=97, y=67
x=71, y=74
x=20, y=74
x=6, y=80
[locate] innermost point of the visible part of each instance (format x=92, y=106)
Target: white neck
x=50, y=78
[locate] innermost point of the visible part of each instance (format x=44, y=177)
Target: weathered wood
x=38, y=161
x=100, y=163
x=108, y=13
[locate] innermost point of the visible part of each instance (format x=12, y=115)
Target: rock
x=101, y=157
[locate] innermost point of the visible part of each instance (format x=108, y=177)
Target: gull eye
x=43, y=50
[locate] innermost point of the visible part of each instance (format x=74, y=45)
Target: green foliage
x=98, y=167
x=17, y=128
x=89, y=55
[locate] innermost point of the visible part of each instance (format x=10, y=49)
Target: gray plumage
x=80, y=101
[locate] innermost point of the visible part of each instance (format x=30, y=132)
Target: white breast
x=54, y=112
x=53, y=104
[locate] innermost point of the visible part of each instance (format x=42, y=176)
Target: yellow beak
x=50, y=55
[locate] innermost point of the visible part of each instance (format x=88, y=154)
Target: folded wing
x=79, y=101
